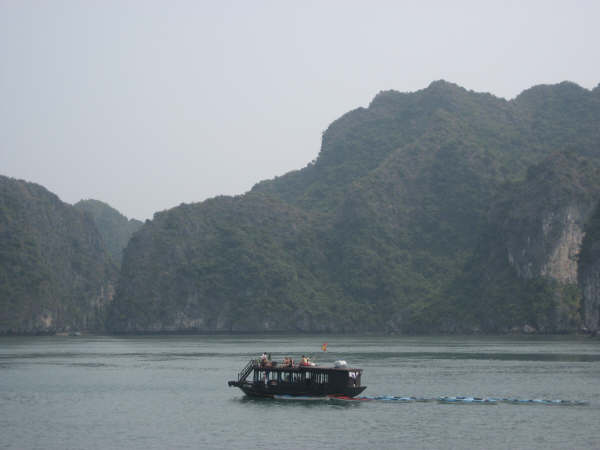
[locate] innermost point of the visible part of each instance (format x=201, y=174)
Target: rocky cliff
x=55, y=274
x=231, y=263
x=589, y=273
x=439, y=210
x=115, y=228
x=545, y=221
x=442, y=210
x=530, y=250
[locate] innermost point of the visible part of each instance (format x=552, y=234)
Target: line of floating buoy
x=461, y=399
x=515, y=401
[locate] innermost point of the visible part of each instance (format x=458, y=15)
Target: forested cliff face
x=589, y=273
x=545, y=222
x=224, y=264
x=115, y=228
x=439, y=210
x=442, y=210
x=55, y=274
x=524, y=271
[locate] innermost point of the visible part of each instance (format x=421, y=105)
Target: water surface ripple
x=159, y=392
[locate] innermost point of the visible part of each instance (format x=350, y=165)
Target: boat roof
x=297, y=368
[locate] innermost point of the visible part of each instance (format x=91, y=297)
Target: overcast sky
x=148, y=104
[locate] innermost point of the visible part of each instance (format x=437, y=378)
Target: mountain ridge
x=442, y=210
x=395, y=204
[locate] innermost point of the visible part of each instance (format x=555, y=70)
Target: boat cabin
x=271, y=379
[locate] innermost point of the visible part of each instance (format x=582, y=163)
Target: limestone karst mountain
x=55, y=272
x=387, y=229
x=115, y=228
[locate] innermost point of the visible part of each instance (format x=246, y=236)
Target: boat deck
x=270, y=379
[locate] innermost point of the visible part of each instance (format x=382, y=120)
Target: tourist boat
x=298, y=381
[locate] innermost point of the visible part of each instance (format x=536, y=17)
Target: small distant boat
x=298, y=382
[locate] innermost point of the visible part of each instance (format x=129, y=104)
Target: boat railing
x=246, y=371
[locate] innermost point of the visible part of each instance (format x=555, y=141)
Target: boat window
x=354, y=378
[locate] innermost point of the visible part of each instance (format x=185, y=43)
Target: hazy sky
x=148, y=104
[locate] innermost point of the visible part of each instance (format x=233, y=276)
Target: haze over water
x=157, y=392
x=148, y=104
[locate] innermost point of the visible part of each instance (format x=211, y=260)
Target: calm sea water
x=160, y=392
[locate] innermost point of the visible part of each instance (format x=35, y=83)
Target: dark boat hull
x=269, y=390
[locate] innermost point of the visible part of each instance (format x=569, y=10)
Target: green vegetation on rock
x=589, y=272
x=442, y=210
x=115, y=228
x=55, y=274
x=399, y=225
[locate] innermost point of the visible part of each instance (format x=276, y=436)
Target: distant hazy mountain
x=55, y=273
x=439, y=210
x=115, y=228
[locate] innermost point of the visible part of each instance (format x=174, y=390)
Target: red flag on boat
x=324, y=347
